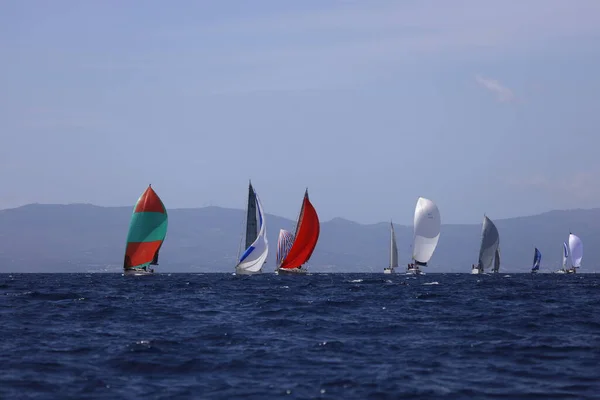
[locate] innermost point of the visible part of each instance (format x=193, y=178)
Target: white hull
x=476, y=271
x=566, y=271
x=293, y=271
x=137, y=272
x=414, y=271
x=242, y=271
x=388, y=270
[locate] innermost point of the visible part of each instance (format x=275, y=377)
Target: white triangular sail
x=575, y=250
x=393, y=248
x=256, y=254
x=427, y=224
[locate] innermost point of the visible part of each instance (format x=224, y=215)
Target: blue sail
x=537, y=258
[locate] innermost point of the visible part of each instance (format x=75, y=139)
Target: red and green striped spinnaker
x=147, y=231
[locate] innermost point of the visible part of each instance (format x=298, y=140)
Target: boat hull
x=413, y=271
x=137, y=272
x=293, y=271
x=476, y=271
x=242, y=271
x=388, y=270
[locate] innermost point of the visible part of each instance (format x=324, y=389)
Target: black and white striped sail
x=284, y=244
x=490, y=241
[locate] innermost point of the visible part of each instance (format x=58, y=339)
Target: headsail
x=257, y=250
x=576, y=250
x=147, y=231
x=565, y=255
x=490, y=240
x=537, y=259
x=496, y=261
x=306, y=237
x=393, y=248
x=251, y=222
x=427, y=224
x=284, y=244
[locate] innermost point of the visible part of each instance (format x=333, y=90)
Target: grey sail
x=393, y=248
x=251, y=224
x=497, y=261
x=490, y=240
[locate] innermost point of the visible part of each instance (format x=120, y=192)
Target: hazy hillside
x=79, y=238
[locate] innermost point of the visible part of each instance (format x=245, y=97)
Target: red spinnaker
x=307, y=235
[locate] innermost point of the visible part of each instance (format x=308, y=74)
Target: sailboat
x=147, y=231
x=537, y=259
x=490, y=241
x=256, y=245
x=565, y=258
x=393, y=252
x=304, y=240
x=572, y=252
x=427, y=224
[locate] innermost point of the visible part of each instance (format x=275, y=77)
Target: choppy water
x=336, y=336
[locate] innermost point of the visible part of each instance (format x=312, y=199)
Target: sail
x=147, y=231
x=496, y=261
x=256, y=253
x=427, y=225
x=306, y=237
x=393, y=248
x=565, y=255
x=284, y=244
x=537, y=258
x=251, y=223
x=576, y=250
x=490, y=240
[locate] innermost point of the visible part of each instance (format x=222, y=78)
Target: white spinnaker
x=427, y=225
x=576, y=250
x=255, y=256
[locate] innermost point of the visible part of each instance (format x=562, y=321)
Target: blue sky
x=482, y=106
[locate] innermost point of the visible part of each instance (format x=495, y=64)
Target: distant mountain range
x=87, y=238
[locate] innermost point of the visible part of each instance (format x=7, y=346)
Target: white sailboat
x=427, y=225
x=572, y=255
x=490, y=241
x=256, y=244
x=393, y=252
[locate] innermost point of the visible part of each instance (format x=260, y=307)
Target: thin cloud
x=503, y=94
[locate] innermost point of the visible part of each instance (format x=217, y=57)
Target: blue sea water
x=320, y=336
